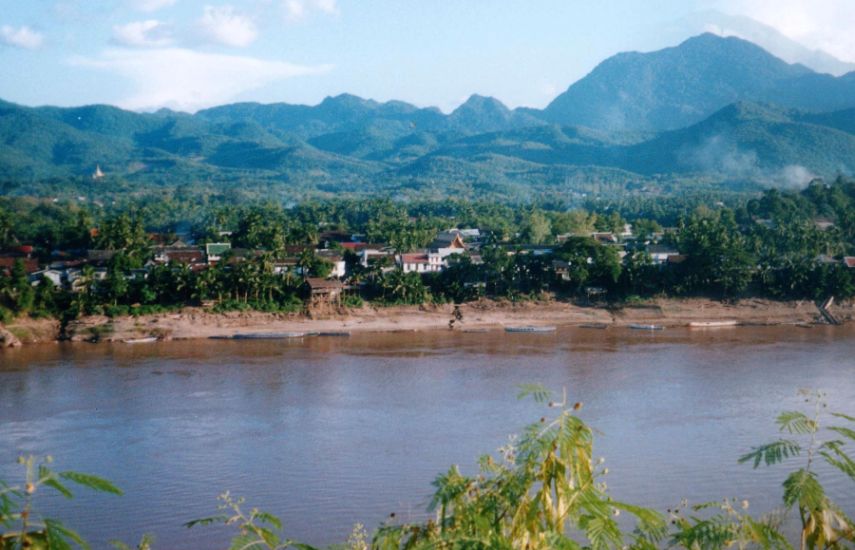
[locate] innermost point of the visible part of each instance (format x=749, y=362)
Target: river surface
x=326, y=432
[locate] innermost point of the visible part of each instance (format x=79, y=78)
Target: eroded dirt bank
x=198, y=323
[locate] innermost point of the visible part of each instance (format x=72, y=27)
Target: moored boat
x=530, y=329
x=713, y=324
x=642, y=326
x=146, y=340
x=268, y=335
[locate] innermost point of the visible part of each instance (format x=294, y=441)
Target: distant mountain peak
x=348, y=100
x=765, y=36
x=481, y=103
x=673, y=87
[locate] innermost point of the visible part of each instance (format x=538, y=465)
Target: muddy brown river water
x=326, y=432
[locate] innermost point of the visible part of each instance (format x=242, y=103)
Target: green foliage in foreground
x=543, y=491
x=22, y=526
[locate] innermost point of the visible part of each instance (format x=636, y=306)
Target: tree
x=16, y=292
x=577, y=222
x=7, y=235
x=612, y=223
x=529, y=274
x=717, y=257
x=261, y=227
x=639, y=275
x=590, y=263
x=644, y=229
x=115, y=285
x=536, y=228
x=126, y=233
x=403, y=288
x=460, y=282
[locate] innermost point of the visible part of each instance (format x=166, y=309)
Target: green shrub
x=6, y=315
x=352, y=301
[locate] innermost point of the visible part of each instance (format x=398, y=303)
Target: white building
x=420, y=262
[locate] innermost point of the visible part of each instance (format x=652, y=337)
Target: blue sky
x=190, y=54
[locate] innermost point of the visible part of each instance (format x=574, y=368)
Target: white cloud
x=298, y=9
x=22, y=37
x=226, y=26
x=820, y=24
x=143, y=34
x=187, y=80
x=329, y=7
x=152, y=5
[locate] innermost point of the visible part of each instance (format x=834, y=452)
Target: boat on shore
x=530, y=329
x=269, y=335
x=713, y=324
x=145, y=340
x=341, y=334
x=642, y=326
x=600, y=326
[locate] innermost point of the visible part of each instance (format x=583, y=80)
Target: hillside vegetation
x=719, y=113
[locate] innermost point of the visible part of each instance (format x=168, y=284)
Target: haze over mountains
x=717, y=108
x=765, y=36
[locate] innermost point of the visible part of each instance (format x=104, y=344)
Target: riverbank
x=196, y=323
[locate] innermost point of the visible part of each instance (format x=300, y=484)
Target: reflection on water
x=326, y=432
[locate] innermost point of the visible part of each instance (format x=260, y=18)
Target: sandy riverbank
x=192, y=323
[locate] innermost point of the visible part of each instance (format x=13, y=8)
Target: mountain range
x=712, y=108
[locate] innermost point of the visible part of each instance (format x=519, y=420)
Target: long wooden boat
x=713, y=324
x=269, y=335
x=530, y=329
x=600, y=326
x=642, y=326
x=146, y=340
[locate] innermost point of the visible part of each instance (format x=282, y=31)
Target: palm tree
x=306, y=261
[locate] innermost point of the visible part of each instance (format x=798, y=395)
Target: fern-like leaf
x=206, y=521
x=844, y=416
x=839, y=459
x=766, y=535
x=92, y=482
x=712, y=534
x=58, y=536
x=246, y=542
x=602, y=533
x=845, y=432
x=796, y=422
x=537, y=391
x=266, y=517
x=802, y=488
x=555, y=541
x=650, y=522
x=772, y=453
x=59, y=487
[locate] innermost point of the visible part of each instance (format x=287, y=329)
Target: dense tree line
x=778, y=245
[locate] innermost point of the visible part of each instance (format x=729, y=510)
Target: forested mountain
x=721, y=110
x=679, y=86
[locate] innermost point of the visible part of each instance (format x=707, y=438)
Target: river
x=326, y=432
